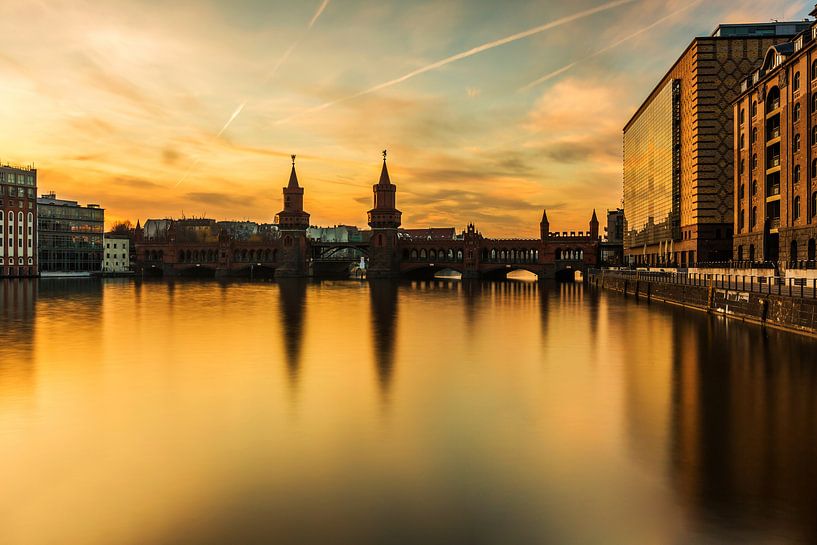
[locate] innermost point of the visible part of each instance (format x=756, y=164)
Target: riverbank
x=780, y=307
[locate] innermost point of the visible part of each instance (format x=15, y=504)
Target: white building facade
x=117, y=254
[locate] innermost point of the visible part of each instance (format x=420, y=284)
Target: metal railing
x=805, y=288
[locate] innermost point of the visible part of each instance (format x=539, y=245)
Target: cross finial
x=293, y=160
x=384, y=155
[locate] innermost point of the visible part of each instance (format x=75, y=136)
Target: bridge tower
x=292, y=224
x=384, y=219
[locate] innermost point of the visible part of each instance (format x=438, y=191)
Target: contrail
x=232, y=118
x=318, y=14
x=463, y=55
x=278, y=64
x=281, y=61
x=563, y=69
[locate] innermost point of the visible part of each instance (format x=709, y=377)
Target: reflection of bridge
x=388, y=250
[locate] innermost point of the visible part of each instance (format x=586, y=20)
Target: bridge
x=185, y=248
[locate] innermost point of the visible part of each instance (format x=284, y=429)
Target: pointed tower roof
x=293, y=178
x=545, y=216
x=384, y=174
x=594, y=218
x=138, y=224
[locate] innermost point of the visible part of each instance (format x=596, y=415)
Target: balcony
x=772, y=162
x=774, y=223
x=772, y=107
x=772, y=133
x=772, y=190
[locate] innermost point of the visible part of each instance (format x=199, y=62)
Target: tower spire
x=384, y=173
x=293, y=178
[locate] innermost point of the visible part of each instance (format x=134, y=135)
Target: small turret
x=594, y=226
x=544, y=226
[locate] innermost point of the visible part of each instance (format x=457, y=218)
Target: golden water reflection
x=432, y=412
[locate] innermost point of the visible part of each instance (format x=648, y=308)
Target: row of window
x=11, y=203
x=19, y=243
x=19, y=230
x=20, y=261
x=795, y=212
x=19, y=217
x=14, y=178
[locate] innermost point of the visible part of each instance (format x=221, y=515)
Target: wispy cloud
x=464, y=55
x=627, y=38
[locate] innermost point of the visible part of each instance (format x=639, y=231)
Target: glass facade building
x=652, y=172
x=70, y=236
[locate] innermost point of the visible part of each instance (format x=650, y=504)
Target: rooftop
x=51, y=198
x=760, y=30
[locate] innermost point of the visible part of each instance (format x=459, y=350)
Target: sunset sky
x=161, y=108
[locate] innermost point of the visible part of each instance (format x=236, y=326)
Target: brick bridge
x=388, y=252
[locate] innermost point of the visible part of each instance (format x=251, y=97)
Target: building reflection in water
x=383, y=300
x=744, y=426
x=731, y=412
x=292, y=301
x=17, y=363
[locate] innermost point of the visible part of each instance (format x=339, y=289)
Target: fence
x=771, y=285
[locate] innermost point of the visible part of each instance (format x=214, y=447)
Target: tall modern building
x=678, y=160
x=775, y=147
x=70, y=236
x=18, y=221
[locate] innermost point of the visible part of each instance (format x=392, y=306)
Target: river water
x=439, y=412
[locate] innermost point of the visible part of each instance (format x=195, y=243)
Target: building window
x=741, y=220
x=753, y=218
x=813, y=103
x=754, y=188
x=754, y=135
x=814, y=169
x=814, y=70
x=742, y=166
x=796, y=145
x=754, y=161
x=742, y=191
x=743, y=140
x=796, y=81
x=796, y=208
x=742, y=116
x=814, y=204
x=814, y=135
x=796, y=174
x=797, y=112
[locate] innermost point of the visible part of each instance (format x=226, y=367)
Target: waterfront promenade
x=780, y=302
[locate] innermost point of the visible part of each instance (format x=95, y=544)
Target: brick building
x=18, y=221
x=775, y=155
x=678, y=160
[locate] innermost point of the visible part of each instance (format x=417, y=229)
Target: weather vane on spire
x=384, y=156
x=293, y=159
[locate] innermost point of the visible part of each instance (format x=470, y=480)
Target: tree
x=122, y=228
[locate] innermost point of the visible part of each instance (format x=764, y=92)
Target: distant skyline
x=490, y=111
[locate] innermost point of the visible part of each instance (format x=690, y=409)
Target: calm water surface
x=429, y=413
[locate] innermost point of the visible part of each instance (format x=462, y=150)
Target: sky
x=490, y=111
